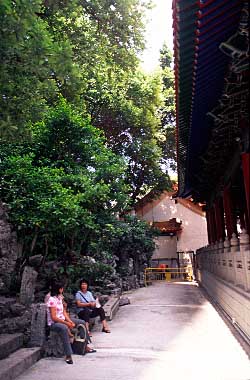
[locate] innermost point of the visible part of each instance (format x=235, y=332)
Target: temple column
x=213, y=225
x=209, y=226
x=219, y=217
x=229, y=213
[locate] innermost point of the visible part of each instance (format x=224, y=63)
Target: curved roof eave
x=200, y=67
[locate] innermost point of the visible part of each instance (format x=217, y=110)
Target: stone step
x=10, y=343
x=18, y=362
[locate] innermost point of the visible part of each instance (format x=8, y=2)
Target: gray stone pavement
x=169, y=331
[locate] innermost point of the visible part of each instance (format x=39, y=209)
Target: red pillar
x=229, y=213
x=219, y=218
x=245, y=157
x=208, y=227
x=213, y=225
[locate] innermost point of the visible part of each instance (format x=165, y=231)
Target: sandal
x=106, y=330
x=69, y=361
x=90, y=351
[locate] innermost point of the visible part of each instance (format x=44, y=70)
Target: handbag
x=81, y=339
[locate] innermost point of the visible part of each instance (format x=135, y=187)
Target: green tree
x=125, y=239
x=69, y=168
x=25, y=55
x=52, y=198
x=131, y=123
x=77, y=49
x=167, y=130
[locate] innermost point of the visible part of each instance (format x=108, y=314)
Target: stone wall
x=223, y=269
x=8, y=250
x=14, y=317
x=233, y=300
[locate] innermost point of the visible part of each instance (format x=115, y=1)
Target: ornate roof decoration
x=211, y=49
x=168, y=226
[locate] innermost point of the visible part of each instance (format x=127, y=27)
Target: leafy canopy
x=49, y=194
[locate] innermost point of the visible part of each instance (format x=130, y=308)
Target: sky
x=159, y=29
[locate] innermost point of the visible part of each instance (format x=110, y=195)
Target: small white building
x=182, y=224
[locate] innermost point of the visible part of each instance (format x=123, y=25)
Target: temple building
x=182, y=225
x=211, y=58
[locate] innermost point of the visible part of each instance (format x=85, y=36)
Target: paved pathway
x=169, y=331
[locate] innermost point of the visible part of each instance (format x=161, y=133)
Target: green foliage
x=131, y=124
x=166, y=57
x=26, y=49
x=77, y=49
x=137, y=240
x=84, y=133
x=85, y=52
x=167, y=140
x=50, y=196
x=124, y=239
x=97, y=273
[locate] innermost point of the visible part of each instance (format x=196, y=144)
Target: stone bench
x=53, y=345
x=111, y=307
x=40, y=336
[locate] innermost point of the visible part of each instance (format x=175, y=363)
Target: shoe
x=90, y=351
x=106, y=330
x=69, y=361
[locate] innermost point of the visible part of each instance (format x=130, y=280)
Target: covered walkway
x=169, y=331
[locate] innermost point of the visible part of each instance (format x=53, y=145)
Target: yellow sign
x=168, y=274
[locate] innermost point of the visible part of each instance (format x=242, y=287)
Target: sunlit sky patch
x=159, y=30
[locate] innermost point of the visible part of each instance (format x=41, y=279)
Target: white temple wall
x=194, y=226
x=166, y=248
